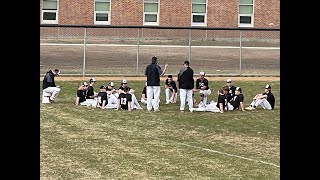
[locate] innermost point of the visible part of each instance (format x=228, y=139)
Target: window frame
x=151, y=13
x=205, y=15
x=251, y=15
x=49, y=21
x=107, y=12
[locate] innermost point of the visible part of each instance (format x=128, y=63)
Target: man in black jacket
x=153, y=73
x=186, y=84
x=49, y=86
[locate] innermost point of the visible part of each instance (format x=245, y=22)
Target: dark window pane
x=245, y=19
x=49, y=16
x=102, y=17
x=150, y=18
x=198, y=18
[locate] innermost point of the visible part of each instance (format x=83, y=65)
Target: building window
x=245, y=18
x=49, y=12
x=151, y=12
x=102, y=12
x=199, y=13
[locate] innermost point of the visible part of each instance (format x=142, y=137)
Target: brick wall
x=220, y=13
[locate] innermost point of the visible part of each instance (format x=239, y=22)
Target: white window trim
x=157, y=13
x=205, y=15
x=251, y=15
x=50, y=21
x=95, y=14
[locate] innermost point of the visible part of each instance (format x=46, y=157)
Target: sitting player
x=124, y=100
x=265, y=100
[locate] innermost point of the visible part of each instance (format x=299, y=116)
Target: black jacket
x=185, y=78
x=48, y=80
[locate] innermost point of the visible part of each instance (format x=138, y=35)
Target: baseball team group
x=229, y=97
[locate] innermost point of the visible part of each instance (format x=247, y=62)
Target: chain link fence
x=92, y=50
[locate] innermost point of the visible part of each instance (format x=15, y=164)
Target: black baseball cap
x=92, y=80
x=57, y=71
x=102, y=87
x=186, y=63
x=267, y=86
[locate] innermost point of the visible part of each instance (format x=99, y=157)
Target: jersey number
x=123, y=101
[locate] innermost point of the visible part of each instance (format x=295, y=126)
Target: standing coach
x=153, y=73
x=186, y=84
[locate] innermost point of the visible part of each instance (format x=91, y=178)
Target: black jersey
x=200, y=83
x=82, y=95
x=109, y=89
x=124, y=99
x=90, y=92
x=101, y=97
x=270, y=99
x=228, y=97
x=144, y=91
x=236, y=99
x=121, y=87
x=221, y=99
x=232, y=90
x=171, y=84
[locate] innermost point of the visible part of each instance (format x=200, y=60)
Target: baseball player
x=91, y=96
x=124, y=99
x=49, y=86
x=102, y=97
x=81, y=94
x=135, y=104
x=218, y=106
x=266, y=100
x=202, y=86
x=112, y=89
x=144, y=95
x=232, y=88
x=186, y=84
x=237, y=100
x=171, y=90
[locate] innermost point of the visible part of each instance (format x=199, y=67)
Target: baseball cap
x=238, y=89
x=186, y=62
x=102, y=87
x=267, y=86
x=85, y=83
x=111, y=83
x=124, y=81
x=229, y=80
x=92, y=80
x=202, y=73
x=57, y=71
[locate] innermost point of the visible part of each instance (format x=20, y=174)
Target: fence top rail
x=160, y=27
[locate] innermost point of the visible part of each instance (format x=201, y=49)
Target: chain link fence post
x=84, y=52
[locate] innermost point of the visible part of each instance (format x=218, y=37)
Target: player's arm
x=118, y=103
x=164, y=70
x=262, y=96
x=241, y=106
x=104, y=103
x=129, y=105
x=77, y=100
x=144, y=96
x=205, y=85
x=221, y=107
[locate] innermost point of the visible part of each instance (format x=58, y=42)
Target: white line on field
x=227, y=154
x=170, y=46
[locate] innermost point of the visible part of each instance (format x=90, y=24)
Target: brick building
x=173, y=13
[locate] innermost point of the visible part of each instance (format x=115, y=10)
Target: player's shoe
x=201, y=104
x=168, y=102
x=156, y=110
x=250, y=108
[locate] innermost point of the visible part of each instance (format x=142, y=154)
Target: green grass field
x=91, y=143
